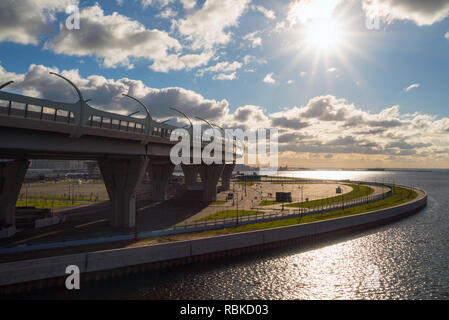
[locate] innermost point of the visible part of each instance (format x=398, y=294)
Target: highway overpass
x=125, y=147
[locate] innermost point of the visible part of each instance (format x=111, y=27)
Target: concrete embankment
x=27, y=274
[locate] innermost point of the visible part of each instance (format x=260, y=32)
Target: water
x=407, y=259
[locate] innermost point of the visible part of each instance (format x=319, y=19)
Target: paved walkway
x=85, y=222
x=250, y=199
x=107, y=246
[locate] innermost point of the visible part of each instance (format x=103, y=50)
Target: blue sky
x=212, y=57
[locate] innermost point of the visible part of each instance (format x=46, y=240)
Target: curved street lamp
x=210, y=125
x=206, y=122
x=188, y=119
x=235, y=138
x=147, y=110
x=139, y=102
x=135, y=112
x=78, y=91
x=81, y=101
x=6, y=84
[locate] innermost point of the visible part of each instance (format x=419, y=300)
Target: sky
x=348, y=83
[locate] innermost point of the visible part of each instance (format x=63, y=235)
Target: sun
x=324, y=35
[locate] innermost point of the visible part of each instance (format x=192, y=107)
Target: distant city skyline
x=348, y=83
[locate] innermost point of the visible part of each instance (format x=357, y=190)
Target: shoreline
x=25, y=275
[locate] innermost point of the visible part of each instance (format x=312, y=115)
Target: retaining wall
x=100, y=264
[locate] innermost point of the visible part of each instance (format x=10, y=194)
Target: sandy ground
x=64, y=188
x=250, y=199
x=90, y=220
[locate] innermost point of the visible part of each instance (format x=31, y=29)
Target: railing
x=34, y=108
x=199, y=226
x=78, y=118
x=275, y=214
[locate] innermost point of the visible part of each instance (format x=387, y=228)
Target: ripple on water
x=407, y=259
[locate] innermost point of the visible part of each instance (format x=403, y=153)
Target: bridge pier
x=160, y=174
x=226, y=176
x=190, y=174
x=210, y=174
x=121, y=177
x=12, y=174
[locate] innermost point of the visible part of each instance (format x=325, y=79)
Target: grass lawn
x=248, y=184
x=401, y=195
x=230, y=214
x=268, y=202
x=59, y=197
x=358, y=191
x=44, y=204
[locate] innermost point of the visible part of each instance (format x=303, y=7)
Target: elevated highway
x=125, y=147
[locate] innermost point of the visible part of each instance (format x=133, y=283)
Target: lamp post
x=237, y=220
x=182, y=113
x=6, y=84
x=148, y=132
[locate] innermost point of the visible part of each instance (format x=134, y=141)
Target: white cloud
x=305, y=10
x=269, y=14
x=420, y=12
x=6, y=76
x=302, y=74
x=107, y=93
x=223, y=76
x=332, y=69
x=412, y=86
x=324, y=125
x=207, y=27
x=188, y=4
x=447, y=35
x=248, y=116
x=254, y=39
x=159, y=3
x=289, y=82
x=115, y=39
x=222, y=67
x=168, y=13
x=249, y=59
x=23, y=21
x=269, y=78
x=328, y=124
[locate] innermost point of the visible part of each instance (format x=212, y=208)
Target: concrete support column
x=190, y=174
x=121, y=177
x=160, y=174
x=226, y=176
x=210, y=174
x=12, y=174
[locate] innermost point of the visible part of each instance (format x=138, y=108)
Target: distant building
x=58, y=164
x=248, y=178
x=283, y=197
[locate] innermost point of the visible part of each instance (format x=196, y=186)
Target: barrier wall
x=187, y=251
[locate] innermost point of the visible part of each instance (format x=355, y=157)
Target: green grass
x=230, y=214
x=59, y=197
x=401, y=195
x=45, y=204
x=358, y=191
x=248, y=184
x=268, y=202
